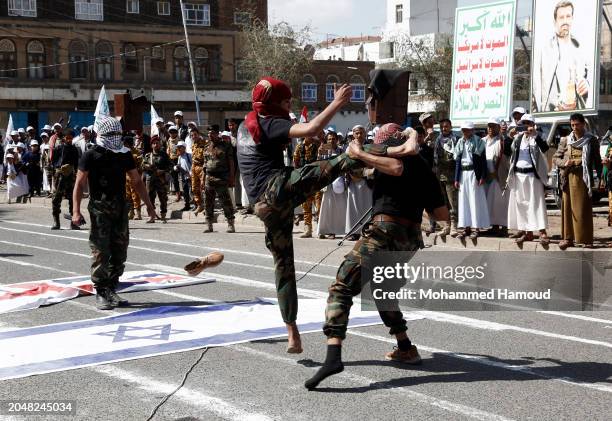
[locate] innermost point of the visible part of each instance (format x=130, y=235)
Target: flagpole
x=193, y=81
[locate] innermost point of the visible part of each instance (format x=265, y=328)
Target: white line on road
x=410, y=394
x=172, y=253
x=431, y=315
x=150, y=240
x=194, y=398
x=21, y=263
x=576, y=316
x=485, y=361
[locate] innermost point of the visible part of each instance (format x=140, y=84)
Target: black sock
x=404, y=344
x=332, y=365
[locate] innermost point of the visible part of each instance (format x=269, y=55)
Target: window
x=242, y=18
x=158, y=63
x=197, y=14
x=241, y=71
x=157, y=52
x=329, y=88
x=413, y=85
x=163, y=8
x=309, y=89
x=8, y=58
x=181, y=65
x=359, y=89
x=130, y=58
x=22, y=8
x=36, y=60
x=200, y=62
x=399, y=13
x=104, y=60
x=89, y=9
x=78, y=57
x=132, y=6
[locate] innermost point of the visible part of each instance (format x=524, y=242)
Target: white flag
x=9, y=128
x=154, y=117
x=102, y=109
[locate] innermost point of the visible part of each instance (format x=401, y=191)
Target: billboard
x=482, y=61
x=565, y=57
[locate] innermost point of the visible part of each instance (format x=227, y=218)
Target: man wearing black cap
x=65, y=162
x=219, y=163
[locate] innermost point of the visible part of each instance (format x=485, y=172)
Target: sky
x=336, y=18
x=331, y=18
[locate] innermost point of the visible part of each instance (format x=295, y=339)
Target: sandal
x=210, y=260
x=563, y=245
x=544, y=239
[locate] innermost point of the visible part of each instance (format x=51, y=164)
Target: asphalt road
x=477, y=365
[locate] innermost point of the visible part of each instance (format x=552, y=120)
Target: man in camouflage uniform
x=65, y=162
x=156, y=166
x=198, y=173
x=131, y=195
x=395, y=226
x=444, y=166
x=105, y=166
x=219, y=162
x=306, y=153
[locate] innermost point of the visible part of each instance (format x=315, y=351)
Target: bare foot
x=295, y=341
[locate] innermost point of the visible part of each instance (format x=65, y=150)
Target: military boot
x=163, y=218
x=454, y=232
x=230, y=226
x=56, y=223
x=103, y=299
x=307, y=232
x=210, y=227
x=138, y=216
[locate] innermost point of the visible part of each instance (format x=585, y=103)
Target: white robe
x=496, y=203
x=359, y=201
x=332, y=218
x=16, y=187
x=473, y=211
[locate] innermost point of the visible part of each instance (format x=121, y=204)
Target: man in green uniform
x=395, y=226
x=219, y=165
x=444, y=166
x=156, y=166
x=105, y=166
x=65, y=162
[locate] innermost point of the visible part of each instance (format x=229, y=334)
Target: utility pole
x=193, y=81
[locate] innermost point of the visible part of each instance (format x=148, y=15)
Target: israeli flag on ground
x=102, y=109
x=154, y=331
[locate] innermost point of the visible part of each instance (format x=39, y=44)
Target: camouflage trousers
x=451, y=198
x=109, y=237
x=217, y=187
x=284, y=192
x=157, y=187
x=315, y=199
x=376, y=237
x=131, y=196
x=198, y=179
x=63, y=190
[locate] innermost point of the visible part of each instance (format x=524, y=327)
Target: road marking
x=224, y=250
x=411, y=394
x=431, y=315
x=485, y=361
x=172, y=253
x=576, y=316
x=21, y=263
x=192, y=397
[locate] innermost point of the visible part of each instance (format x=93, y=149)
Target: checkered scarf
x=110, y=135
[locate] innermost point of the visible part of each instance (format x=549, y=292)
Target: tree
x=430, y=61
x=278, y=51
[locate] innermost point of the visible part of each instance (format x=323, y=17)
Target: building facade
x=316, y=90
x=55, y=55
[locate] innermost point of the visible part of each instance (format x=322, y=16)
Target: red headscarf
x=389, y=130
x=267, y=97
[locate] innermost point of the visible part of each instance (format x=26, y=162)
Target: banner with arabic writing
x=483, y=61
x=565, y=57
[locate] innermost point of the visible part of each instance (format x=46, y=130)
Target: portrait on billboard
x=565, y=65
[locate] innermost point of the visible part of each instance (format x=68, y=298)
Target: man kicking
x=395, y=226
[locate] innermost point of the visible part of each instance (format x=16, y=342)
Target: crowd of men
x=495, y=183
